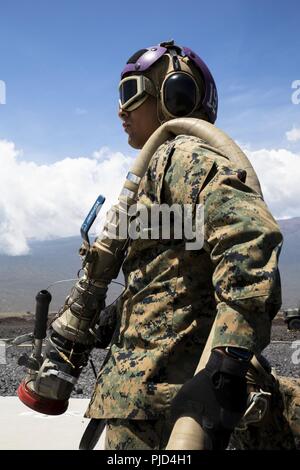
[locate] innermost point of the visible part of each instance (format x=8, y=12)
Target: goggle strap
x=149, y=87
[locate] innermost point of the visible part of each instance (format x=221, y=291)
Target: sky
x=61, y=142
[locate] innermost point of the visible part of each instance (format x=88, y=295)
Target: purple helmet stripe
x=145, y=61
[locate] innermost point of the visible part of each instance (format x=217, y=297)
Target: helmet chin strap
x=160, y=112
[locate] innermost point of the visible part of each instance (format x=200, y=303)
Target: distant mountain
x=290, y=261
x=21, y=277
x=289, y=226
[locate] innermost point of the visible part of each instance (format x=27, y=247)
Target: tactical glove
x=106, y=326
x=216, y=398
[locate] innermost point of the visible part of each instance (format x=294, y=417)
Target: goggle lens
x=128, y=89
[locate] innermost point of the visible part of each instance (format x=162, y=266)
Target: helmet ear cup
x=179, y=94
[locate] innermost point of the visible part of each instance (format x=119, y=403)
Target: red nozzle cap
x=40, y=404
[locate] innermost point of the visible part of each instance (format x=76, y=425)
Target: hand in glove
x=216, y=397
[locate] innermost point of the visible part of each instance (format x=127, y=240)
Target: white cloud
x=293, y=135
x=51, y=201
x=279, y=173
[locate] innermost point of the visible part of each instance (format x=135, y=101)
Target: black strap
x=175, y=60
x=219, y=362
x=92, y=434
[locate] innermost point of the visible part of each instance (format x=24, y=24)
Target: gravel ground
x=283, y=353
x=11, y=374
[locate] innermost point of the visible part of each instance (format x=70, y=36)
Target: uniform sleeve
x=245, y=243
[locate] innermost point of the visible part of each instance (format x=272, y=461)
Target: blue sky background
x=61, y=142
x=61, y=61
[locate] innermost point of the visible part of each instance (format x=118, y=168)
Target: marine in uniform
x=173, y=295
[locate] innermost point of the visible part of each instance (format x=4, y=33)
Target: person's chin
x=133, y=143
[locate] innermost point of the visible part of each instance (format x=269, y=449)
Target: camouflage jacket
x=173, y=295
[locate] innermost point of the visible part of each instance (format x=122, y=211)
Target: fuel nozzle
x=27, y=389
x=52, y=373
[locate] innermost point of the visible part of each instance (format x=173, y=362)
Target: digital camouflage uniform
x=172, y=294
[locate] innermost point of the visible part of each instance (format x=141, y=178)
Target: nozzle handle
x=43, y=299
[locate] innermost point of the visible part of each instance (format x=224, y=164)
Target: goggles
x=133, y=91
